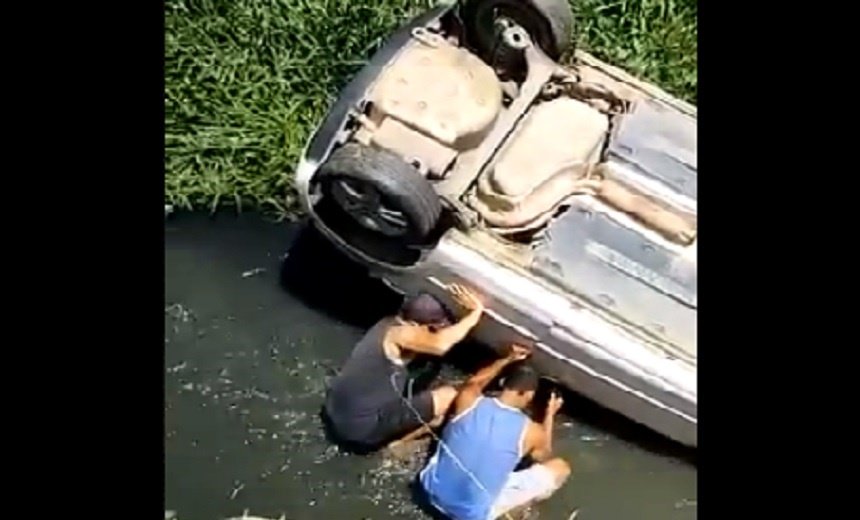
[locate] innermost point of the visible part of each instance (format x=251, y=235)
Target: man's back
x=367, y=379
x=480, y=448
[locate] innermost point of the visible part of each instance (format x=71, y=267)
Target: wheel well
x=381, y=249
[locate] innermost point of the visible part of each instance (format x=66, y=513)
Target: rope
x=439, y=441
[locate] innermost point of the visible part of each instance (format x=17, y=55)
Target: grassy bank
x=247, y=80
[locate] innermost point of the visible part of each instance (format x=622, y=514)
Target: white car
x=566, y=196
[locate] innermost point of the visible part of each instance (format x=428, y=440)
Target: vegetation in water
x=246, y=81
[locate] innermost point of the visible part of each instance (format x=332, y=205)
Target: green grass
x=246, y=81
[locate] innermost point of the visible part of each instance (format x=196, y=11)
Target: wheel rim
x=366, y=205
x=486, y=18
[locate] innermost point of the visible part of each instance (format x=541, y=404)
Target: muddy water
x=257, y=317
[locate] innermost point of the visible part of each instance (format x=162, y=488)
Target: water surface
x=250, y=340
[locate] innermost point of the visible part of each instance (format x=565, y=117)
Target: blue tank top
x=486, y=441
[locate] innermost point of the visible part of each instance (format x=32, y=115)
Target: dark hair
x=425, y=309
x=521, y=377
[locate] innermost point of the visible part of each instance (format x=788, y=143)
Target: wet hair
x=425, y=309
x=521, y=377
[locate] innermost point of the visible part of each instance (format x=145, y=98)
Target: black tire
x=399, y=185
x=548, y=22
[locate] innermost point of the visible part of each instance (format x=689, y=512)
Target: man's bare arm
x=535, y=442
x=543, y=449
x=540, y=435
x=424, y=340
x=474, y=386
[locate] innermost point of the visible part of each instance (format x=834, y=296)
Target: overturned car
x=566, y=195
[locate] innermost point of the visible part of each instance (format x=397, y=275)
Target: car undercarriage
x=580, y=178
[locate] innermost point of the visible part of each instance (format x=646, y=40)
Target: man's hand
x=466, y=298
x=554, y=404
x=518, y=353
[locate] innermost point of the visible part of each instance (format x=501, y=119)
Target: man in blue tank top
x=471, y=476
x=371, y=402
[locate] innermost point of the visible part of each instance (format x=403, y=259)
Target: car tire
x=400, y=189
x=548, y=22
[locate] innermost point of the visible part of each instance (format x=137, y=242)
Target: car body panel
x=327, y=133
x=640, y=363
x=574, y=345
x=587, y=252
x=660, y=144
